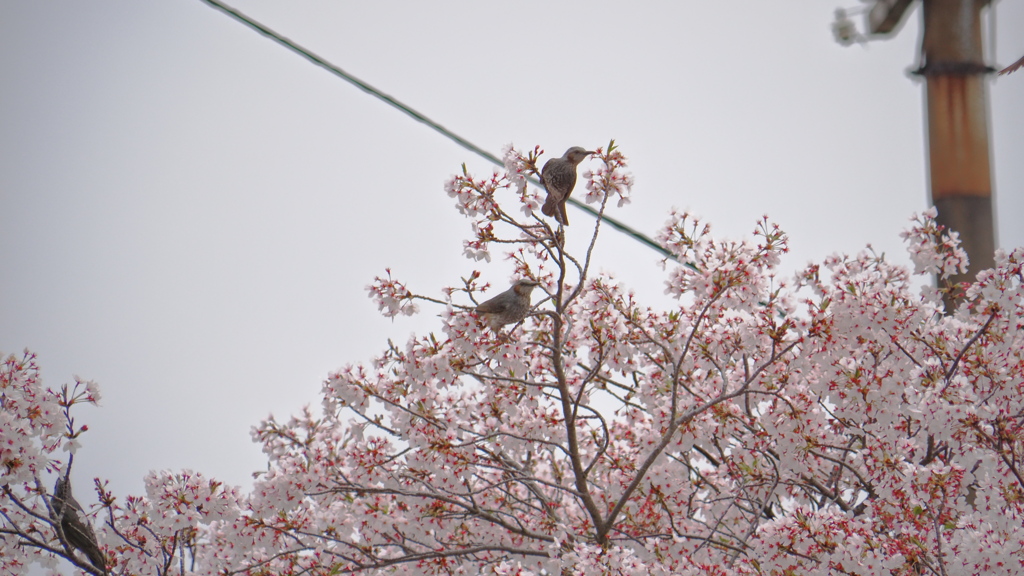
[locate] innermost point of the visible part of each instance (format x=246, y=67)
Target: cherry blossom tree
x=838, y=421
x=156, y=534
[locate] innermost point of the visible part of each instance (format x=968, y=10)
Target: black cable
x=418, y=116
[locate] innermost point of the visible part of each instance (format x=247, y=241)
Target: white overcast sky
x=189, y=213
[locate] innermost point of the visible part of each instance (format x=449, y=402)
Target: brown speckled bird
x=75, y=524
x=559, y=178
x=508, y=307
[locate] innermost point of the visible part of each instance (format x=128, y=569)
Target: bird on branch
x=559, y=178
x=69, y=518
x=508, y=307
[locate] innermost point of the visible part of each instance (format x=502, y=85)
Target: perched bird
x=73, y=522
x=1013, y=67
x=559, y=178
x=508, y=307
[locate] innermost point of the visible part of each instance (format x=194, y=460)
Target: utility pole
x=956, y=90
x=956, y=99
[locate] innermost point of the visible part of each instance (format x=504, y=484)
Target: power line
x=418, y=116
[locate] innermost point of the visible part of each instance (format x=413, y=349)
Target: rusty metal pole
x=960, y=174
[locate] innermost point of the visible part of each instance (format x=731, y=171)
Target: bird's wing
x=1013, y=67
x=495, y=305
x=550, y=204
x=559, y=178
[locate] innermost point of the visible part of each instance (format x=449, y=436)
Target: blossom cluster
x=392, y=297
x=609, y=179
x=36, y=432
x=932, y=249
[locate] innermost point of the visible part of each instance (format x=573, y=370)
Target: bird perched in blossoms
x=69, y=515
x=508, y=307
x=559, y=178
